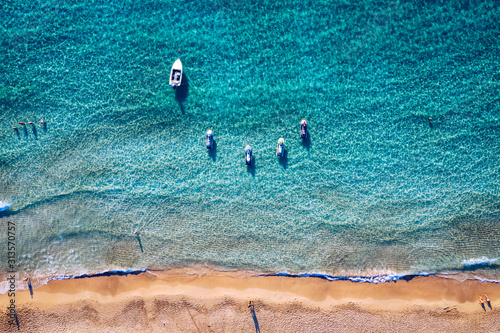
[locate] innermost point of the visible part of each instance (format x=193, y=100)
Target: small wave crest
x=361, y=279
x=107, y=273
x=40, y=281
x=479, y=261
x=376, y=278
x=4, y=206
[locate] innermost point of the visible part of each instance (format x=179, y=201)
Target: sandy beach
x=210, y=301
x=104, y=167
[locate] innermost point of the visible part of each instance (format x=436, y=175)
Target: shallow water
x=400, y=175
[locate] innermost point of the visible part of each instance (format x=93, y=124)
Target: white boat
x=248, y=155
x=281, y=147
x=176, y=74
x=209, y=139
x=303, y=129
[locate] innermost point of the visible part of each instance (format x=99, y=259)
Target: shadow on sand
x=30, y=287
x=254, y=317
x=182, y=92
x=17, y=321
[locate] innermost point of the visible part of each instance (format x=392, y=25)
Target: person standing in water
x=29, y=286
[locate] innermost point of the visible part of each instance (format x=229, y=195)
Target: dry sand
x=188, y=301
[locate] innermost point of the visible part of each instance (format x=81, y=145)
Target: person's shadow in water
x=213, y=152
x=283, y=160
x=139, y=240
x=254, y=317
x=182, y=92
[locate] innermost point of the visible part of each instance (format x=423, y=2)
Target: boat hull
x=280, y=150
x=176, y=74
x=248, y=155
x=209, y=141
x=303, y=131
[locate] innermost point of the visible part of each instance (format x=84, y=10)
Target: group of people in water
x=22, y=123
x=209, y=143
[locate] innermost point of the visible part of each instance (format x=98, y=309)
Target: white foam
x=478, y=261
x=4, y=206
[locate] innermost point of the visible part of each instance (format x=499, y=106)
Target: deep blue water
x=400, y=174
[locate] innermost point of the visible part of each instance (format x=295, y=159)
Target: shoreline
x=201, y=270
x=161, y=298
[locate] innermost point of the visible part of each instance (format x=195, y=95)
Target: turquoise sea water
x=378, y=191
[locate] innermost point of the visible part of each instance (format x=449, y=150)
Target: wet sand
x=209, y=301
